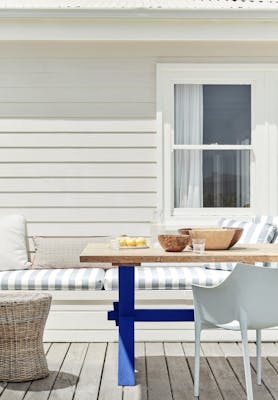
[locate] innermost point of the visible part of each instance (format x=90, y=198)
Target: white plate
x=133, y=247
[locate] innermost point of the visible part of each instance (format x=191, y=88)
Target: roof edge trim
x=261, y=14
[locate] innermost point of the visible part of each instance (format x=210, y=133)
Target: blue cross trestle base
x=124, y=314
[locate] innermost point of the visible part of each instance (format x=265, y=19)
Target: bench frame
x=81, y=316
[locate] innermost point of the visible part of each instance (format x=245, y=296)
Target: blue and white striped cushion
x=273, y=220
x=253, y=232
x=221, y=266
x=167, y=277
x=266, y=219
x=53, y=279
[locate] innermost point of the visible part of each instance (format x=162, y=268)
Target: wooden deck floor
x=164, y=372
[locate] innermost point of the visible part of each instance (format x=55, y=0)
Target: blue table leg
x=126, y=375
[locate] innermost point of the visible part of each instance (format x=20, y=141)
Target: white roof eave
x=258, y=14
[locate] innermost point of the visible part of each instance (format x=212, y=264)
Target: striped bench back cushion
x=273, y=220
x=253, y=232
x=258, y=231
x=266, y=219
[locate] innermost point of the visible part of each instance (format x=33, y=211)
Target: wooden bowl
x=173, y=242
x=184, y=231
x=216, y=238
x=237, y=234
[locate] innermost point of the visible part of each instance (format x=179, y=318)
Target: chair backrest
x=249, y=293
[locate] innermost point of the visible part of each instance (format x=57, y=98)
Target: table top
x=248, y=253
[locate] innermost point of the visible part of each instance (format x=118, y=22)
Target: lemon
x=140, y=241
x=131, y=242
x=122, y=242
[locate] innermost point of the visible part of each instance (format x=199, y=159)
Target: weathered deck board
x=157, y=373
x=90, y=376
x=138, y=392
x=164, y=371
x=179, y=373
x=233, y=353
x=109, y=388
x=208, y=387
x=39, y=390
x=227, y=382
x=67, y=378
x=269, y=374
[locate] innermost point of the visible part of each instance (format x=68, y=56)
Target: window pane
x=210, y=114
x=212, y=178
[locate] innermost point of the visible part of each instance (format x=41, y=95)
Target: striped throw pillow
x=273, y=220
x=252, y=233
x=268, y=220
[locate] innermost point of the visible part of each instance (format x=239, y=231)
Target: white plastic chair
x=247, y=299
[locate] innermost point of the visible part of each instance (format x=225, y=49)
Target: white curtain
x=188, y=130
x=243, y=178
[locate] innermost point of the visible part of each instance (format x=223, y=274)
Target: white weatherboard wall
x=79, y=178
x=84, y=161
x=78, y=153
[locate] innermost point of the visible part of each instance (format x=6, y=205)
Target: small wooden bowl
x=216, y=238
x=174, y=242
x=184, y=231
x=237, y=235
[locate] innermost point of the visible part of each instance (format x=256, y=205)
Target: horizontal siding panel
x=76, y=125
x=78, y=155
x=99, y=67
x=81, y=214
x=77, y=110
x=77, y=200
x=107, y=51
x=86, y=93
x=68, y=78
x=78, y=170
x=77, y=140
x=80, y=320
x=87, y=229
x=46, y=71
x=87, y=81
x=78, y=185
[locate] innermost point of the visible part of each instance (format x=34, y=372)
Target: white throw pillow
x=13, y=251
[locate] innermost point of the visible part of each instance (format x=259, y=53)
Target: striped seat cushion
x=258, y=231
x=167, y=277
x=53, y=279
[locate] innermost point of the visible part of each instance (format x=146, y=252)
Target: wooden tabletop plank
x=248, y=253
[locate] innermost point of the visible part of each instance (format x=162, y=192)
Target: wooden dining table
x=124, y=312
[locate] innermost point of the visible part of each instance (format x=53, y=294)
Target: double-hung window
x=215, y=126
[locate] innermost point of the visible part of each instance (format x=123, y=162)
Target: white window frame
x=263, y=149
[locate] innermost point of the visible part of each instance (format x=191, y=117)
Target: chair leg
x=197, y=359
x=259, y=356
x=246, y=360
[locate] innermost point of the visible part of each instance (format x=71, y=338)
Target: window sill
x=176, y=222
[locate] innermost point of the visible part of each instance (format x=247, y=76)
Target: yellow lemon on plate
x=122, y=242
x=141, y=242
x=131, y=242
